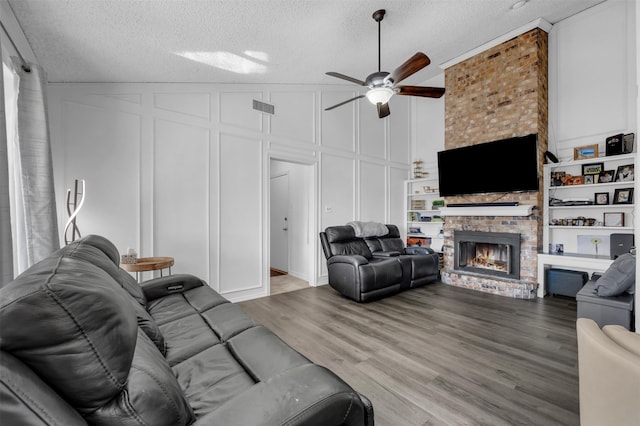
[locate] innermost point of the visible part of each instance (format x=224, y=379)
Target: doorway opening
x=290, y=246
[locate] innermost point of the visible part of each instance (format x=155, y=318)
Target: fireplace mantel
x=524, y=210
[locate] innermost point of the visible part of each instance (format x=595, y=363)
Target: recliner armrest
x=163, y=286
x=418, y=250
x=386, y=253
x=355, y=260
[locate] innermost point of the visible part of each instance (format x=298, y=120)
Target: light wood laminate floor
x=286, y=283
x=439, y=355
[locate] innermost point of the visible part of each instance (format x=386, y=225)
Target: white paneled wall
x=592, y=87
x=182, y=170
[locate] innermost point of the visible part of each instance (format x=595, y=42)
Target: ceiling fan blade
x=383, y=110
x=425, y=92
x=346, y=77
x=345, y=102
x=411, y=66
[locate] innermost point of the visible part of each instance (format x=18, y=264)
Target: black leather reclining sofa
x=83, y=343
x=366, y=269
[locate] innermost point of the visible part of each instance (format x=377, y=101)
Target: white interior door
x=279, y=222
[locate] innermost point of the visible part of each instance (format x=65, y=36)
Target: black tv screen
x=507, y=165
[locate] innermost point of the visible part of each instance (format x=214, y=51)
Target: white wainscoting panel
x=103, y=148
x=371, y=131
x=337, y=190
x=338, y=125
x=236, y=109
x=590, y=82
x=241, y=211
x=372, y=192
x=399, y=130
x=181, y=196
x=193, y=104
x=294, y=117
x=397, y=202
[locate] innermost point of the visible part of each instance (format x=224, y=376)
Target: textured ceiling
x=261, y=41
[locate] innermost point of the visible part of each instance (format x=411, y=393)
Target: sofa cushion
x=620, y=277
x=343, y=241
x=211, y=378
x=72, y=326
x=151, y=396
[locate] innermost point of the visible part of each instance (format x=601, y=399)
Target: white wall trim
x=538, y=23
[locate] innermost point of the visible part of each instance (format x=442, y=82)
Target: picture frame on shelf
x=601, y=198
x=623, y=196
x=613, y=219
x=556, y=248
x=613, y=145
x=625, y=173
x=628, y=142
x=557, y=178
x=584, y=152
x=606, y=176
x=589, y=179
x=592, y=168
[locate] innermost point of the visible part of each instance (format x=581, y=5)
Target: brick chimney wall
x=499, y=93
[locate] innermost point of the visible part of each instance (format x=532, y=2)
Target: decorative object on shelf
x=418, y=173
x=586, y=244
x=556, y=248
x=606, y=176
x=574, y=180
x=415, y=230
x=418, y=204
x=601, y=198
x=437, y=204
x=428, y=190
x=595, y=242
x=625, y=173
x=589, y=179
x=557, y=178
x=613, y=145
x=550, y=157
x=614, y=219
x=73, y=208
x=623, y=196
x=627, y=142
x=574, y=221
x=592, y=168
x=131, y=258
x=584, y=152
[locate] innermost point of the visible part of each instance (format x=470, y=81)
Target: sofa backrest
x=75, y=327
x=342, y=240
x=389, y=242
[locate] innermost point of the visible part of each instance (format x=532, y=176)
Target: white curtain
x=6, y=245
x=31, y=188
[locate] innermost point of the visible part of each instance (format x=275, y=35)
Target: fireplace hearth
x=487, y=253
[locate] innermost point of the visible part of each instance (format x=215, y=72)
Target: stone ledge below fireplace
x=517, y=289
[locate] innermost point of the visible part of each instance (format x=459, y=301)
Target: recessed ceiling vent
x=264, y=107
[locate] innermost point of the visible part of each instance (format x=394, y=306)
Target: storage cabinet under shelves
x=586, y=227
x=424, y=224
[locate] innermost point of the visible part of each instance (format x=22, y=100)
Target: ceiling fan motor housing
x=377, y=79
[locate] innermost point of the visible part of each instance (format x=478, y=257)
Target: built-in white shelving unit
x=420, y=213
x=573, y=218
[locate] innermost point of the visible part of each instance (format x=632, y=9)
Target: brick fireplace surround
x=499, y=93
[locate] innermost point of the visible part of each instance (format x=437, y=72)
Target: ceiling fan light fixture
x=380, y=95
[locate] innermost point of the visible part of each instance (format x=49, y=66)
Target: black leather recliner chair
x=420, y=264
x=353, y=271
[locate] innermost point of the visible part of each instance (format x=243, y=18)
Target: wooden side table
x=148, y=264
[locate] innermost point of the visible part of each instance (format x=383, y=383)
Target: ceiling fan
x=382, y=85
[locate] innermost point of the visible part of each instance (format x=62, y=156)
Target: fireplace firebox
x=487, y=253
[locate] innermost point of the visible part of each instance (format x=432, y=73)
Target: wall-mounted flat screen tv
x=507, y=165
